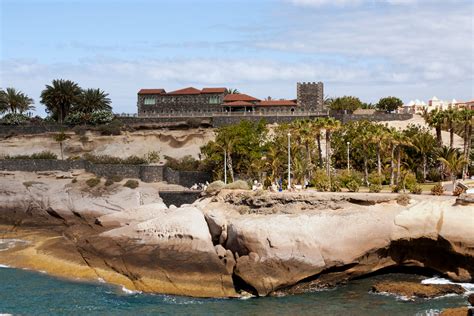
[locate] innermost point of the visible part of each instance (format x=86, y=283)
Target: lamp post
x=348, y=155
x=225, y=166
x=289, y=162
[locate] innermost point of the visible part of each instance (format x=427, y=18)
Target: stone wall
x=31, y=129
x=310, y=96
x=146, y=173
x=375, y=117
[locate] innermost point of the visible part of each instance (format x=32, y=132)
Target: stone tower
x=310, y=96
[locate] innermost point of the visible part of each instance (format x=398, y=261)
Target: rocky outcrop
x=412, y=290
x=264, y=243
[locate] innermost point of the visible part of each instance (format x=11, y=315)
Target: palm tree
x=60, y=97
x=231, y=91
x=330, y=125
x=60, y=138
x=317, y=127
x=466, y=118
x=91, y=100
x=435, y=120
x=14, y=101
x=454, y=163
x=450, y=116
x=379, y=137
x=424, y=143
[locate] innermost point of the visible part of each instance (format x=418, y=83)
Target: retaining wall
x=146, y=173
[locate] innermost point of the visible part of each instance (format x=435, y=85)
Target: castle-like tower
x=310, y=96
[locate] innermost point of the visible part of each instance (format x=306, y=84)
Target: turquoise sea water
x=32, y=293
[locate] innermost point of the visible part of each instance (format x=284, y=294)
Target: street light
x=348, y=157
x=289, y=162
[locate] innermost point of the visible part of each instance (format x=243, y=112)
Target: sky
x=412, y=49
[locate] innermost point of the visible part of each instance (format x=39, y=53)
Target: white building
x=418, y=107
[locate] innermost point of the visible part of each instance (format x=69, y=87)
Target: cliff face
x=261, y=242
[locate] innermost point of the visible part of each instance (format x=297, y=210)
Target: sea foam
x=469, y=287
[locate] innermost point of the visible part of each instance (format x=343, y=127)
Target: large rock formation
x=265, y=243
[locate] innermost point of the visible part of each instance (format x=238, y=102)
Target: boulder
x=415, y=289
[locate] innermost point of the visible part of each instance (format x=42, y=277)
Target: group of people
x=200, y=186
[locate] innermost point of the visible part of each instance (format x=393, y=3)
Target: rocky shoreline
x=231, y=243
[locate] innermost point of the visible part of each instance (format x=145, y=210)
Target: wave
x=4, y=267
x=130, y=292
x=469, y=287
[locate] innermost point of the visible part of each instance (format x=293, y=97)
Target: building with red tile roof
x=239, y=97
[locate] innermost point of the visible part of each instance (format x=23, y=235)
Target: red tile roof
x=151, y=91
x=239, y=103
x=277, y=103
x=189, y=90
x=213, y=90
x=239, y=97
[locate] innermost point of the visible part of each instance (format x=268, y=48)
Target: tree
x=465, y=117
x=389, y=104
x=435, y=120
x=346, y=103
x=330, y=125
x=60, y=138
x=59, y=97
x=424, y=143
x=454, y=163
x=14, y=101
x=450, y=116
x=92, y=100
x=231, y=91
x=379, y=136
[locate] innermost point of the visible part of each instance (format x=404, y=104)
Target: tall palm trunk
x=424, y=166
x=451, y=134
x=366, y=171
x=61, y=147
x=229, y=166
x=439, y=136
x=328, y=153
x=392, y=165
x=379, y=161
x=320, y=151
x=467, y=149
x=399, y=163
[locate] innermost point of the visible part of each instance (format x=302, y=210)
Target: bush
x=106, y=159
x=353, y=186
x=434, y=175
x=74, y=180
x=437, y=189
x=416, y=189
x=375, y=188
x=132, y=184
x=152, y=157
x=186, y=163
x=335, y=185
x=116, y=178
x=374, y=178
x=108, y=182
x=238, y=185
x=403, y=199
x=92, y=182
x=101, y=117
x=40, y=155
x=350, y=180
x=396, y=188
x=15, y=119
x=215, y=186
x=112, y=128
x=94, y=118
x=321, y=181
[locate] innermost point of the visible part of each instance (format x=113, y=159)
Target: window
x=149, y=101
x=214, y=99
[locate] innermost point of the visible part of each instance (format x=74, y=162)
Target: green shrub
x=116, y=178
x=132, y=184
x=353, y=186
x=350, y=180
x=335, y=185
x=108, y=182
x=215, y=186
x=416, y=189
x=40, y=155
x=101, y=117
x=403, y=199
x=94, y=118
x=152, y=157
x=374, y=178
x=321, y=181
x=410, y=181
x=15, y=119
x=375, y=188
x=434, y=175
x=238, y=185
x=74, y=180
x=106, y=159
x=112, y=128
x=396, y=188
x=186, y=163
x=92, y=182
x=437, y=189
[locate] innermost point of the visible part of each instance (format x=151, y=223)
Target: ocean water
x=33, y=293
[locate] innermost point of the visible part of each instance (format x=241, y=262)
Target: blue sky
x=368, y=48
